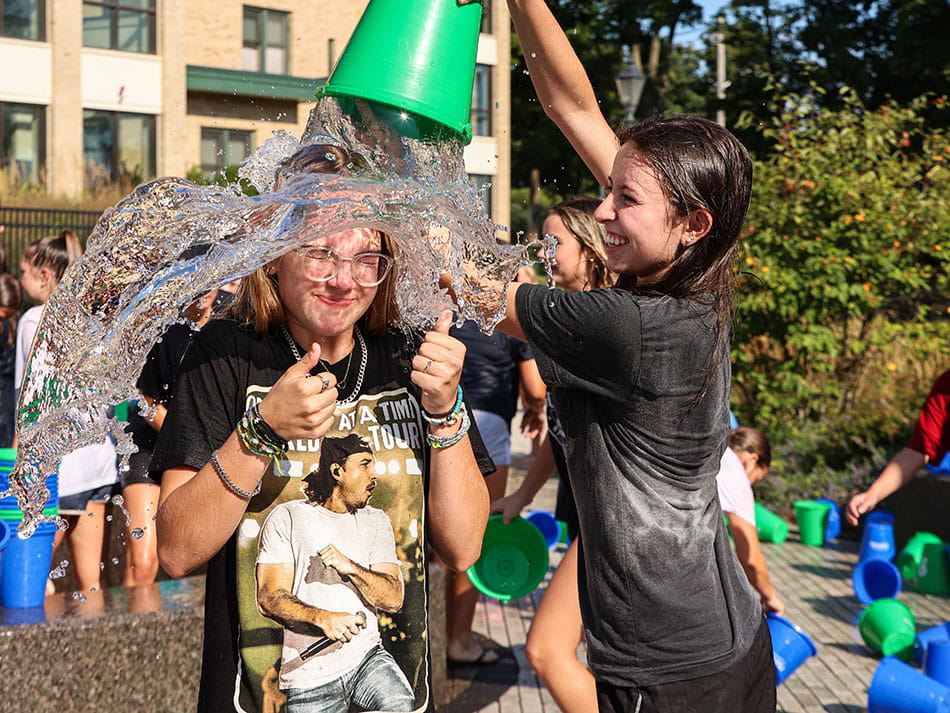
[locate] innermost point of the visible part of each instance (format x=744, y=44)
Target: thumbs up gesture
x=300, y=405
x=437, y=368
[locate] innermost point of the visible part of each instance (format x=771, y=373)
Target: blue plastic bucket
x=880, y=516
x=876, y=579
x=899, y=688
x=6, y=530
x=547, y=524
x=26, y=567
x=791, y=646
x=833, y=523
x=937, y=661
x=940, y=632
x=877, y=542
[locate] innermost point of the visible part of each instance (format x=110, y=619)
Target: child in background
x=87, y=476
x=10, y=303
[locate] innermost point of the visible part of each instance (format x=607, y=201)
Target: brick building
x=96, y=89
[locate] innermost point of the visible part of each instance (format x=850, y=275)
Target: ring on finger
x=326, y=384
x=426, y=369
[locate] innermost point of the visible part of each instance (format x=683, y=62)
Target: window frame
x=116, y=6
x=225, y=143
x=41, y=143
x=40, y=24
x=114, y=116
x=478, y=113
x=262, y=17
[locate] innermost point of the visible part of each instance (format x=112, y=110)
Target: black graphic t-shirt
x=250, y=660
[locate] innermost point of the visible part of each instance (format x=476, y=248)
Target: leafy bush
x=842, y=317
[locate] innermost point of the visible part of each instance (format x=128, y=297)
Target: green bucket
x=416, y=57
x=811, y=516
x=771, y=527
x=888, y=627
x=8, y=454
x=514, y=559
x=923, y=563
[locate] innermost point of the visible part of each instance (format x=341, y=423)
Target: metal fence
x=24, y=225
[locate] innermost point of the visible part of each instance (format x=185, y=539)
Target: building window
x=23, y=19
x=266, y=41
x=221, y=148
x=486, y=17
x=24, y=149
x=118, y=147
x=481, y=101
x=127, y=25
x=483, y=183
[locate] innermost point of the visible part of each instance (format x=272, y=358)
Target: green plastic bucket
x=888, y=627
x=923, y=563
x=416, y=57
x=771, y=527
x=811, y=516
x=514, y=559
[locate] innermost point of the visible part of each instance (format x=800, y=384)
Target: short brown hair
x=752, y=440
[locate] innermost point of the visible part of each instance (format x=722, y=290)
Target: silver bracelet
x=228, y=483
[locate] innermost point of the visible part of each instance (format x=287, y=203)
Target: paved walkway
x=814, y=583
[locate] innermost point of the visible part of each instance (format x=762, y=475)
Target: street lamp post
x=630, y=83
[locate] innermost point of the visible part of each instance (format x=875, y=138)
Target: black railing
x=21, y=226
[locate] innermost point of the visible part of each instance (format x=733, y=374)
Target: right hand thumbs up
x=300, y=405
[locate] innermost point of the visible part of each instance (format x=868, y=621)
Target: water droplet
x=59, y=571
x=115, y=560
x=138, y=533
x=79, y=596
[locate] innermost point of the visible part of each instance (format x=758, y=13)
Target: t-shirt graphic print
x=310, y=576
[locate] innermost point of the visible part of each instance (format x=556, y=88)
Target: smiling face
x=643, y=234
x=317, y=311
x=570, y=272
x=355, y=481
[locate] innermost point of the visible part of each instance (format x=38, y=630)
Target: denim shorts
x=77, y=503
x=496, y=433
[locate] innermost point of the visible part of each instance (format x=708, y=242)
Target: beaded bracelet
x=446, y=441
x=249, y=431
x=230, y=484
x=449, y=417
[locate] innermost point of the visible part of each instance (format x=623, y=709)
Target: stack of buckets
x=875, y=576
x=24, y=567
x=819, y=521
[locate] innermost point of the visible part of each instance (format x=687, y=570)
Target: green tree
x=598, y=30
x=844, y=289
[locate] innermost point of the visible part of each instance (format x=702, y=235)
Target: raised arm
x=562, y=85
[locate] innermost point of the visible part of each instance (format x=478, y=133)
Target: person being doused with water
x=326, y=565
x=308, y=351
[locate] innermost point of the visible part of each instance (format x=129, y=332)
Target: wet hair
x=53, y=252
x=752, y=440
x=257, y=302
x=699, y=165
x=333, y=451
x=11, y=295
x=577, y=214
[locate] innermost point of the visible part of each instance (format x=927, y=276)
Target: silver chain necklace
x=342, y=384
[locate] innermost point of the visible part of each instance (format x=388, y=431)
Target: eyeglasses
x=367, y=269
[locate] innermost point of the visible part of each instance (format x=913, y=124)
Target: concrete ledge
x=125, y=650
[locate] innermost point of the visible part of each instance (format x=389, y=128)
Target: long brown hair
x=577, y=214
x=11, y=296
x=699, y=165
x=54, y=252
x=257, y=303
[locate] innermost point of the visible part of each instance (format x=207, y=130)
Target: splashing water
x=171, y=241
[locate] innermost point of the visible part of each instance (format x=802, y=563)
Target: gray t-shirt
x=662, y=594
